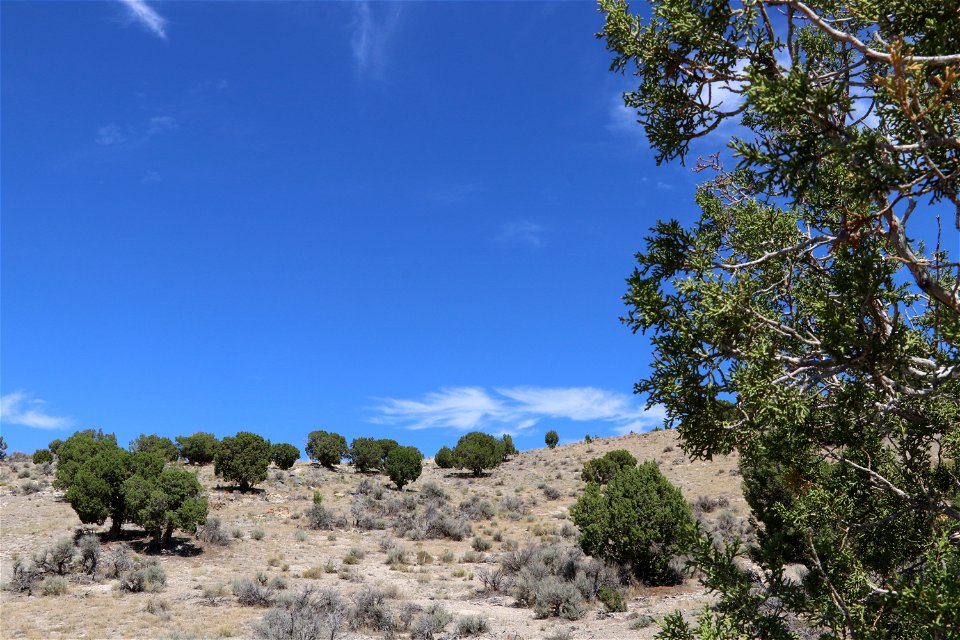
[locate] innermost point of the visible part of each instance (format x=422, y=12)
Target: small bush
x=612, y=599
x=556, y=599
x=494, y=580
x=550, y=493
x=514, y=507
x=481, y=544
x=41, y=456
x=313, y=573
x=319, y=517
x=432, y=491
x=476, y=508
x=57, y=559
x=258, y=534
x=53, y=586
x=370, y=611
x=370, y=488
x=307, y=615
x=25, y=576
x=89, y=549
x=396, y=556
x=429, y=623
x=117, y=561
x=149, y=577
x=211, y=532
x=472, y=626
x=30, y=487
x=158, y=607
x=252, y=593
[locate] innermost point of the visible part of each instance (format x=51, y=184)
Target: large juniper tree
x=801, y=321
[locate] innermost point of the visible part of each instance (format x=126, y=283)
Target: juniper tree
x=800, y=321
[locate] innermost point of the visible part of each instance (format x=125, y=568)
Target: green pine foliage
x=509, y=449
x=165, y=502
x=478, y=451
x=164, y=447
x=800, y=321
x=42, y=455
x=366, y=454
x=326, y=448
x=601, y=470
x=444, y=458
x=242, y=459
x=404, y=465
x=552, y=439
x=284, y=455
x=638, y=521
x=198, y=448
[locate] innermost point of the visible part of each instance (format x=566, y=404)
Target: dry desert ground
x=522, y=503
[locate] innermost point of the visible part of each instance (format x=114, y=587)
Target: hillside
x=529, y=495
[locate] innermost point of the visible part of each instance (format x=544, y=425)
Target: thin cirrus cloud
x=521, y=232
x=22, y=409
x=515, y=410
x=113, y=135
x=371, y=32
x=144, y=15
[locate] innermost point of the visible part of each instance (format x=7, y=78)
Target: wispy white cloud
x=110, y=134
x=21, y=409
x=371, y=34
x=521, y=232
x=517, y=409
x=113, y=135
x=151, y=177
x=146, y=17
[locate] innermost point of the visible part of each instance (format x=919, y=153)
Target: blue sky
x=409, y=220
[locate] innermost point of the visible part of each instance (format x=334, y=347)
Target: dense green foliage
x=552, y=438
x=326, y=448
x=799, y=322
x=366, y=454
x=386, y=446
x=198, y=448
x=242, y=459
x=76, y=450
x=284, y=455
x=404, y=465
x=163, y=447
x=638, y=521
x=477, y=451
x=444, y=458
x=54, y=445
x=42, y=455
x=164, y=502
x=509, y=449
x=601, y=470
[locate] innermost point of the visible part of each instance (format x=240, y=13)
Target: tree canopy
x=404, y=465
x=326, y=448
x=477, y=451
x=800, y=321
x=197, y=448
x=243, y=458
